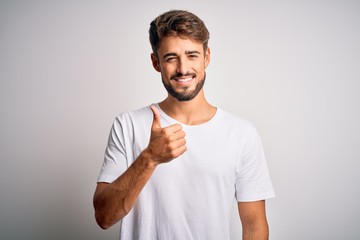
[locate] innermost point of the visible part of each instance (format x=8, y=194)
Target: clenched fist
x=165, y=143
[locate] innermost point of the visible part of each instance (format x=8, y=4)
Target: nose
x=182, y=67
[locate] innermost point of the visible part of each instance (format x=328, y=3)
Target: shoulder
x=134, y=115
x=235, y=122
x=129, y=123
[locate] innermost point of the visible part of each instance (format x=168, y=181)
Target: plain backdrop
x=67, y=68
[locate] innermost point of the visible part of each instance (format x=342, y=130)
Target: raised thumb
x=156, y=121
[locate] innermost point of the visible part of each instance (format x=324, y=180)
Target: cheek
x=200, y=67
x=165, y=74
x=168, y=70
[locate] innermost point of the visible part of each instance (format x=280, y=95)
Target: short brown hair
x=178, y=23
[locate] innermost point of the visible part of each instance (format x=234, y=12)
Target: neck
x=193, y=112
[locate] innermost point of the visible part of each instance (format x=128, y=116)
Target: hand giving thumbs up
x=165, y=143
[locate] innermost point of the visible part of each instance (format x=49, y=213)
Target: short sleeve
x=115, y=159
x=253, y=181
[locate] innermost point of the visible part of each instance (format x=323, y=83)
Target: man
x=172, y=170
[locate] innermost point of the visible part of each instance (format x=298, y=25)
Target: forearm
x=113, y=201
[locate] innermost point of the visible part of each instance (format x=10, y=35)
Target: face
x=182, y=64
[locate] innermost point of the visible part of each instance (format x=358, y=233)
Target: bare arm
x=253, y=220
x=112, y=201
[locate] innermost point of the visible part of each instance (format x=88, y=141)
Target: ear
x=155, y=62
x=207, y=57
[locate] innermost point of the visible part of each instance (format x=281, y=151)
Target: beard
x=184, y=95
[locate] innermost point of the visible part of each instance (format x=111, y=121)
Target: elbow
x=105, y=221
x=107, y=214
x=101, y=217
x=102, y=222
x=104, y=226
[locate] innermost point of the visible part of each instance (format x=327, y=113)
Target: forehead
x=178, y=45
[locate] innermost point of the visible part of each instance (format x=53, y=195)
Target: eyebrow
x=192, y=52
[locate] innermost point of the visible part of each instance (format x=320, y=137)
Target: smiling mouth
x=184, y=80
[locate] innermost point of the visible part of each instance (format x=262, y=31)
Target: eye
x=170, y=59
x=193, y=56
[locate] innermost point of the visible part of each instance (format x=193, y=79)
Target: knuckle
x=168, y=132
x=171, y=138
x=184, y=149
x=173, y=154
x=168, y=148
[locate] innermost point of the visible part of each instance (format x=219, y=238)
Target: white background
x=67, y=68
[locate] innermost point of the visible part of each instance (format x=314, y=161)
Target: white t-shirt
x=190, y=197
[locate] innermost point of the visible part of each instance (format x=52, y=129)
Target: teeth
x=184, y=80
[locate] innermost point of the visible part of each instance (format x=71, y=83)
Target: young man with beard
x=172, y=170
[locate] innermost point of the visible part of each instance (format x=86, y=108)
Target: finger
x=177, y=144
x=173, y=128
x=156, y=121
x=179, y=151
x=177, y=136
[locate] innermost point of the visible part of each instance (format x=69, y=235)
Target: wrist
x=148, y=159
